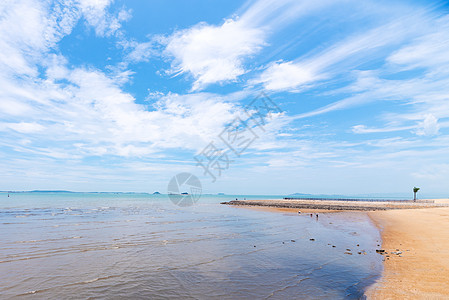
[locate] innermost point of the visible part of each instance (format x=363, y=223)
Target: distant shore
x=414, y=241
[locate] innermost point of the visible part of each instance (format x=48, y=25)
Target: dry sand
x=423, y=270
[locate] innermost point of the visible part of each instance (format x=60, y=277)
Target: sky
x=103, y=95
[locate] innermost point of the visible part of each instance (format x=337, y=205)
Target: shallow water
x=71, y=246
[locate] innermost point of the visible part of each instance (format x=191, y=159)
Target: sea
x=58, y=245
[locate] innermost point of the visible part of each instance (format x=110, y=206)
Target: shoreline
x=414, y=238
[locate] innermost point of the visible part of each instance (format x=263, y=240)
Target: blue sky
x=122, y=95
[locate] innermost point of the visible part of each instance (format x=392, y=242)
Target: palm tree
x=415, y=190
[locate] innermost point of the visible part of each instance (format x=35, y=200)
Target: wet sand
x=422, y=271
x=287, y=210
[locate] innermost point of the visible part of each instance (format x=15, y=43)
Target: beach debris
x=348, y=249
x=380, y=251
x=349, y=253
x=292, y=241
x=333, y=246
x=359, y=252
x=299, y=212
x=358, y=245
x=312, y=240
x=397, y=253
x=283, y=242
x=254, y=246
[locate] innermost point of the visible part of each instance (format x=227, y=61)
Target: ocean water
x=111, y=246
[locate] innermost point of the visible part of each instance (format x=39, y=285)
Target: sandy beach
x=421, y=271
x=414, y=237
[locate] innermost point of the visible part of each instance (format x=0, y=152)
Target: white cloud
x=96, y=15
x=84, y=111
x=90, y=115
x=140, y=51
x=287, y=75
x=28, y=28
x=23, y=127
x=424, y=92
x=213, y=53
x=271, y=14
x=216, y=54
x=364, y=129
x=429, y=126
x=428, y=50
x=344, y=55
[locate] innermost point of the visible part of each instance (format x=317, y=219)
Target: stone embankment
x=334, y=204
